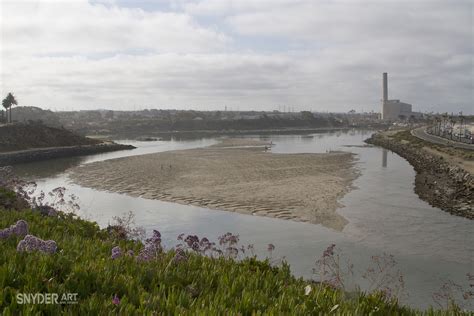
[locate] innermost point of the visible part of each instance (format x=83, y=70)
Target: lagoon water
x=384, y=214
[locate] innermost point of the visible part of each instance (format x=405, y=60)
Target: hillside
x=109, y=274
x=19, y=136
x=25, y=114
x=163, y=123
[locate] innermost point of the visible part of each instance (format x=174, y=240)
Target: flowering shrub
x=451, y=295
x=193, y=284
x=31, y=243
x=124, y=227
x=383, y=277
x=116, y=252
x=180, y=256
x=331, y=271
x=19, y=229
x=25, y=192
x=227, y=247
x=152, y=247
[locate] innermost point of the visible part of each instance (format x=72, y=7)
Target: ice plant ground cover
x=180, y=281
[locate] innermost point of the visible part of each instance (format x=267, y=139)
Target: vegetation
x=25, y=136
x=102, y=268
x=8, y=102
x=406, y=136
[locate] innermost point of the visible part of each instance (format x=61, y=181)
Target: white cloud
x=325, y=55
x=78, y=27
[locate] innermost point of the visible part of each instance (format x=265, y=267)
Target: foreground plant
x=452, y=295
x=20, y=228
x=32, y=243
x=176, y=281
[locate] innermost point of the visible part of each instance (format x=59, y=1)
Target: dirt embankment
x=439, y=180
x=32, y=142
x=14, y=137
x=238, y=176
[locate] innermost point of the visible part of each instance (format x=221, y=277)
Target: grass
x=199, y=285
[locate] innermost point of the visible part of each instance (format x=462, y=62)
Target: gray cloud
x=328, y=55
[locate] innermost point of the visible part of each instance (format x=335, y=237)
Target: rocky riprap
x=437, y=182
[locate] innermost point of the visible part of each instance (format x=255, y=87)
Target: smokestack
x=385, y=87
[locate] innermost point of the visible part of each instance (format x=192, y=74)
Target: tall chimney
x=385, y=87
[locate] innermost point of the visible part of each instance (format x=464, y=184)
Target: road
x=423, y=135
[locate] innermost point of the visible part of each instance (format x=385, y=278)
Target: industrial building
x=393, y=110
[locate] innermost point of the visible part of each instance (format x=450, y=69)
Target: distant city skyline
x=246, y=55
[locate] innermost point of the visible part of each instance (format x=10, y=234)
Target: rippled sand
x=238, y=176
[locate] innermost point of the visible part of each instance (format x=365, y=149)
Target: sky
x=318, y=55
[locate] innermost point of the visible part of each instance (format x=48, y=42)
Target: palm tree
x=8, y=102
x=6, y=105
x=5, y=116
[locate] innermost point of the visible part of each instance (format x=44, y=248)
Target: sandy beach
x=236, y=175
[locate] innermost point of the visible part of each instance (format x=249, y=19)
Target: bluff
x=20, y=142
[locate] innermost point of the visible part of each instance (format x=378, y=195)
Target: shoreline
x=438, y=182
x=38, y=154
x=182, y=134
x=239, y=177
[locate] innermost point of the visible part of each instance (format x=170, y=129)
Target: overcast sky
x=323, y=55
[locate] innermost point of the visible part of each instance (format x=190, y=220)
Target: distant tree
x=461, y=124
x=4, y=116
x=8, y=102
x=452, y=122
x=307, y=115
x=438, y=124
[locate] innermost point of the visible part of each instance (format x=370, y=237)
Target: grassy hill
x=20, y=136
x=161, y=282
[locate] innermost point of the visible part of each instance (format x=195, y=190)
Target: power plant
x=393, y=110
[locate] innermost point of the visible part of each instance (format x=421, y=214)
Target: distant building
x=393, y=110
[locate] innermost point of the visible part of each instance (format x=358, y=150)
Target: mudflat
x=235, y=175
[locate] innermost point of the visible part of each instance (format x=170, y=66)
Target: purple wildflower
x=329, y=252
x=180, y=255
x=145, y=255
x=4, y=233
x=152, y=247
x=228, y=239
x=116, y=252
x=31, y=243
x=130, y=253
x=116, y=300
x=19, y=229
x=155, y=238
x=232, y=252
x=192, y=241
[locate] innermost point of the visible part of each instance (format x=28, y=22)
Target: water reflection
x=384, y=158
x=47, y=168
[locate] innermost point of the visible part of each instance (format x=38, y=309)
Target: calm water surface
x=384, y=214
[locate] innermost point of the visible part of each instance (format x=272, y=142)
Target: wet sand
x=236, y=175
